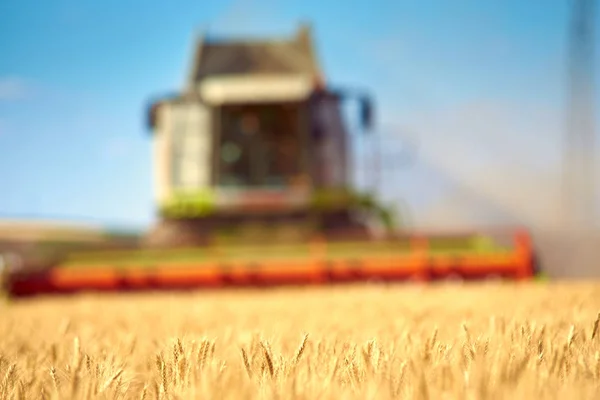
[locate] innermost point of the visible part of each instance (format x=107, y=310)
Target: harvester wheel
x=536, y=265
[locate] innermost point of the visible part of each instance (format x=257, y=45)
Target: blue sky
x=476, y=84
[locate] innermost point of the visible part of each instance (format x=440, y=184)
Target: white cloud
x=14, y=88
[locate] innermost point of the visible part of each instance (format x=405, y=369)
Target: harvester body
x=253, y=186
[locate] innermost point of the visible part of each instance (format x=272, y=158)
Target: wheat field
x=493, y=341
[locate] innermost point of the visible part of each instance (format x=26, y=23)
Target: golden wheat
x=499, y=341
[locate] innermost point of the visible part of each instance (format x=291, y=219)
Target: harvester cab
x=255, y=142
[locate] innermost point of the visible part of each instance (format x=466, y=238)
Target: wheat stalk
x=300, y=349
x=268, y=358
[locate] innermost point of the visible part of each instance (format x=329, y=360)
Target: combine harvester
x=253, y=185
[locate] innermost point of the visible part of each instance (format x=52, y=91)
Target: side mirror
x=151, y=116
x=366, y=113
